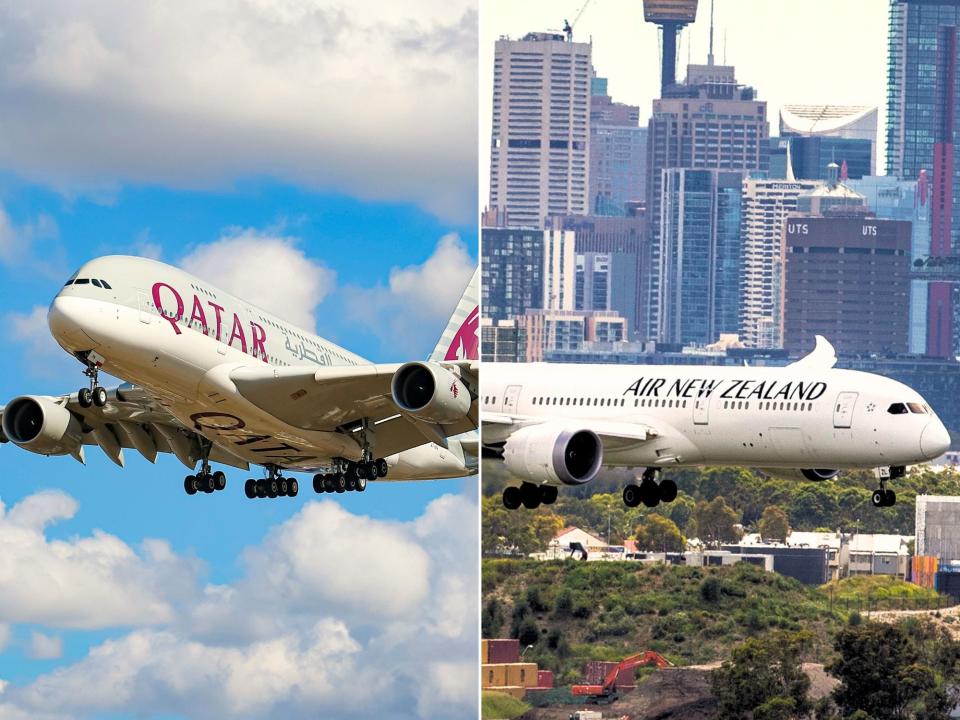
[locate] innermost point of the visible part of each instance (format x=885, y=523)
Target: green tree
x=660, y=534
x=516, y=531
x=716, y=522
x=774, y=524
x=764, y=679
x=893, y=672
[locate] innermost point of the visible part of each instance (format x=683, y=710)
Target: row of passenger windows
x=103, y=284
x=767, y=405
x=204, y=291
x=659, y=403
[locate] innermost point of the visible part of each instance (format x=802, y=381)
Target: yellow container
x=484, y=652
x=493, y=676
x=522, y=674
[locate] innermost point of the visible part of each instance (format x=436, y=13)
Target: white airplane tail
x=461, y=338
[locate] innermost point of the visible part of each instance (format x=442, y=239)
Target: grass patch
x=500, y=706
x=880, y=587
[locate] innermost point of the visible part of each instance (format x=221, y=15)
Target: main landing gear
x=650, y=492
x=93, y=395
x=274, y=485
x=882, y=496
x=205, y=481
x=350, y=476
x=529, y=495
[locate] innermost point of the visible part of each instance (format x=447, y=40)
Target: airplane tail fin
x=461, y=338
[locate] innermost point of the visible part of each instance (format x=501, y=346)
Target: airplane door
x=843, y=409
x=701, y=410
x=510, y=399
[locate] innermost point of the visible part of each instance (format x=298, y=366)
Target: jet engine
x=430, y=392
x=814, y=474
x=39, y=425
x=554, y=454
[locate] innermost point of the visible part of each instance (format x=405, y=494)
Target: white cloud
x=412, y=311
x=335, y=615
x=33, y=244
x=44, y=358
x=45, y=647
x=268, y=270
x=377, y=100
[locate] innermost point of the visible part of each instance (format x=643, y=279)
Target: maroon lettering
x=237, y=332
x=217, y=309
x=198, y=314
x=259, y=336
x=159, y=305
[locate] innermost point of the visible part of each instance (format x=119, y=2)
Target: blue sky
x=154, y=187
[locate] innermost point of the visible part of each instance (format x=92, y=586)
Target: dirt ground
x=952, y=612
x=674, y=694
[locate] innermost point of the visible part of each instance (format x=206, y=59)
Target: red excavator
x=607, y=693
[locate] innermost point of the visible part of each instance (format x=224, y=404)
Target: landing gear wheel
x=649, y=493
x=668, y=491
x=190, y=484
x=250, y=488
x=361, y=471
x=370, y=471
x=879, y=498
x=891, y=498
x=318, y=483
x=548, y=494
x=352, y=483
x=220, y=480
x=511, y=497
x=261, y=488
x=351, y=473
x=293, y=488
x=273, y=488
x=283, y=486
x=340, y=482
x=631, y=496
x=328, y=484
x=530, y=496
x=208, y=483
x=382, y=468
x=361, y=484
x=99, y=396
x=85, y=397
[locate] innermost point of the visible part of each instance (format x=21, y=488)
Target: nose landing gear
x=882, y=496
x=650, y=492
x=93, y=395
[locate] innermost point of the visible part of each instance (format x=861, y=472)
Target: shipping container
x=522, y=674
x=484, y=653
x=493, y=676
x=545, y=678
x=503, y=651
x=948, y=583
x=923, y=570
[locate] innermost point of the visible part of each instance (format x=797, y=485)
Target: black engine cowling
x=40, y=425
x=554, y=454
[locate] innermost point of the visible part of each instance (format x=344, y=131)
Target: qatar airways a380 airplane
x=211, y=378
x=557, y=425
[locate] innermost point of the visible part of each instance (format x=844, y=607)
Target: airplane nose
x=65, y=319
x=935, y=440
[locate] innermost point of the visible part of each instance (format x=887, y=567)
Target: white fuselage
x=788, y=417
x=178, y=337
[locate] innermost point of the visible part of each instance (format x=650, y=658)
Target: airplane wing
x=340, y=398
x=615, y=435
x=132, y=419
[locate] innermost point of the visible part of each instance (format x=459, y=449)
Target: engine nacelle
x=554, y=454
x=39, y=425
x=817, y=475
x=430, y=392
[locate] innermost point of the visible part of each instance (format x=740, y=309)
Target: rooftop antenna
x=710, y=52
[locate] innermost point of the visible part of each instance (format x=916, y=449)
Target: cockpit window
x=898, y=409
x=106, y=285
x=72, y=278
x=81, y=281
x=917, y=408
x=97, y=283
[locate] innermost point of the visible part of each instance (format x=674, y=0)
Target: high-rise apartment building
x=765, y=207
x=700, y=262
x=539, y=155
x=707, y=122
x=922, y=122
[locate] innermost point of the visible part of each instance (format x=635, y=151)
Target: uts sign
x=171, y=306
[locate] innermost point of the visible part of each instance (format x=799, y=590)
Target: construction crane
x=607, y=693
x=568, y=26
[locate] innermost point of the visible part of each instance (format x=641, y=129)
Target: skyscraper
x=539, y=156
x=701, y=251
x=766, y=205
x=825, y=133
x=921, y=126
x=618, y=153
x=707, y=122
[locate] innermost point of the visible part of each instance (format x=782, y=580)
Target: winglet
x=822, y=357
x=461, y=338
